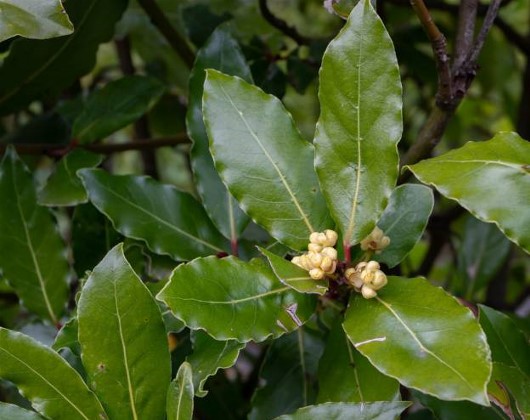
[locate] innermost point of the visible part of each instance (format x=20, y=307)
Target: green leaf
x=232, y=299
x=14, y=412
x=360, y=123
x=507, y=343
x=169, y=221
x=346, y=411
x=404, y=221
x=56, y=63
x=293, y=276
x=221, y=52
x=509, y=382
x=263, y=159
x=456, y=410
x=288, y=374
x=123, y=341
x=209, y=356
x=67, y=345
x=39, y=272
x=420, y=335
x=180, y=395
x=472, y=174
x=115, y=106
x=481, y=255
x=45, y=19
x=53, y=387
x=344, y=375
x=63, y=187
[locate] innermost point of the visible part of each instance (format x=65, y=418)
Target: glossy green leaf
x=232, y=299
x=14, y=412
x=53, y=387
x=293, y=276
x=180, y=394
x=507, y=343
x=508, y=382
x=456, y=410
x=63, y=187
x=123, y=341
x=67, y=345
x=360, y=123
x=39, y=272
x=221, y=52
x=404, y=221
x=344, y=375
x=288, y=375
x=423, y=337
x=169, y=221
x=263, y=159
x=348, y=411
x=472, y=174
x=39, y=20
x=115, y=106
x=481, y=255
x=56, y=63
x=209, y=356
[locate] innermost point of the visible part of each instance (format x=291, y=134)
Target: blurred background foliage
x=283, y=41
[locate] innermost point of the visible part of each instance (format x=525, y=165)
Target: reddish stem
x=347, y=252
x=234, y=247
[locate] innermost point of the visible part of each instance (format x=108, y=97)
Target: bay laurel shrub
x=316, y=309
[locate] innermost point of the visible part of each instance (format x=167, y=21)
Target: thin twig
x=103, y=148
x=465, y=33
x=162, y=23
x=281, y=25
x=439, y=47
x=491, y=14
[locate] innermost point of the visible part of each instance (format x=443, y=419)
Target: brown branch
x=439, y=46
x=281, y=25
x=465, y=33
x=103, y=148
x=491, y=14
x=162, y=23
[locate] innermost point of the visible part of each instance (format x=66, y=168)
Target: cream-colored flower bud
x=315, y=259
x=314, y=247
x=329, y=252
x=331, y=237
x=305, y=263
x=368, y=292
x=375, y=241
x=361, y=266
x=313, y=238
x=327, y=264
x=322, y=239
x=379, y=280
x=372, y=266
x=297, y=261
x=353, y=277
x=316, y=274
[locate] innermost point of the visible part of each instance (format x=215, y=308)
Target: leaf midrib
x=46, y=381
x=236, y=301
x=269, y=157
x=36, y=265
x=353, y=212
x=420, y=344
x=158, y=219
x=124, y=352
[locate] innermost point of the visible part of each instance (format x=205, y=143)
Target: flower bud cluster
x=376, y=241
x=321, y=258
x=367, y=278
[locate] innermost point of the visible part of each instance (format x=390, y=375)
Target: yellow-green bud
x=368, y=292
x=327, y=264
x=316, y=274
